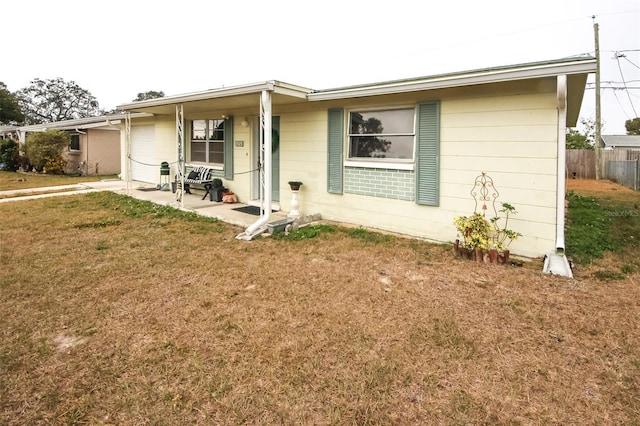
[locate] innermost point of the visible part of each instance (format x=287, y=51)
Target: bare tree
x=46, y=101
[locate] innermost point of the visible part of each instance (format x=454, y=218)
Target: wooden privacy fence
x=617, y=165
x=581, y=164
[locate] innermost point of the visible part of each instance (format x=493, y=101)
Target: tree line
x=52, y=100
x=46, y=101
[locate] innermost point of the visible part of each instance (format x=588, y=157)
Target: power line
x=631, y=62
x=618, y=56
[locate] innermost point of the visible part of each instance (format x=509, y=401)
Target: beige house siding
x=99, y=153
x=510, y=134
x=507, y=130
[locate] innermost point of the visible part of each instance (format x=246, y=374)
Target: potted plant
x=295, y=185
x=474, y=235
x=485, y=240
x=503, y=236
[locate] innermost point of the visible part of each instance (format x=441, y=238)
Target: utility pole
x=597, y=146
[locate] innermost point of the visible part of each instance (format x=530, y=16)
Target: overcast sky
x=117, y=49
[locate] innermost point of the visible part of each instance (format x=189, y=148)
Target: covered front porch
x=240, y=151
x=225, y=212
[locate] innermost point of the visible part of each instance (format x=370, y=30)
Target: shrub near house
x=44, y=150
x=9, y=155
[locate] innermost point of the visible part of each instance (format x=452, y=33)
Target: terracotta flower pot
x=478, y=255
x=506, y=256
x=465, y=253
x=503, y=257
x=456, y=248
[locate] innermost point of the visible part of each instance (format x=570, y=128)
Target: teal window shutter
x=335, y=150
x=428, y=154
x=228, y=148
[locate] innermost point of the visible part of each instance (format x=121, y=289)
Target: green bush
x=41, y=147
x=55, y=166
x=9, y=151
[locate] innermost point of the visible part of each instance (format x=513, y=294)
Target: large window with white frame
x=382, y=135
x=207, y=141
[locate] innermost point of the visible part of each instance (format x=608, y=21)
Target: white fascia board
x=494, y=75
x=271, y=86
x=82, y=123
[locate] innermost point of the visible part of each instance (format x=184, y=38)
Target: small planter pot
x=295, y=185
x=478, y=255
x=503, y=257
x=465, y=253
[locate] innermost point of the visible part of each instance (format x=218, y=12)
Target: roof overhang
x=621, y=141
x=245, y=96
x=570, y=66
x=104, y=121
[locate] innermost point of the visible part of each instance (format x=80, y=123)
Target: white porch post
x=265, y=177
x=127, y=144
x=181, y=151
x=267, y=147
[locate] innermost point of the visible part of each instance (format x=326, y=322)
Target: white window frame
x=381, y=163
x=206, y=141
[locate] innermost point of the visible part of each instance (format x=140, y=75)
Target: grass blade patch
x=588, y=229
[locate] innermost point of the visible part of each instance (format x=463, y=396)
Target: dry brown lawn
x=17, y=181
x=114, y=312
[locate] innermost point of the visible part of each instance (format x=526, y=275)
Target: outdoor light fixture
x=245, y=122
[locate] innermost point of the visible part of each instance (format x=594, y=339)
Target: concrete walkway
x=55, y=191
x=192, y=202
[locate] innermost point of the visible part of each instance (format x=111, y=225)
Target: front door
x=275, y=159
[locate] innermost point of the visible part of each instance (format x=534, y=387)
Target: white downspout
x=562, y=159
x=265, y=119
x=557, y=263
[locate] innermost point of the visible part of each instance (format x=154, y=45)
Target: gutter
x=443, y=81
x=258, y=226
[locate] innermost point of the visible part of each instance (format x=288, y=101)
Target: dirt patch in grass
x=601, y=186
x=120, y=312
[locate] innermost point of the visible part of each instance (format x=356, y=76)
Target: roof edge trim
x=489, y=75
x=271, y=85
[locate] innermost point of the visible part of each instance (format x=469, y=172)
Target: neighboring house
x=9, y=132
x=399, y=156
x=621, y=141
x=95, y=143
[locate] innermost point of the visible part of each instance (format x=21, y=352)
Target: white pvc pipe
x=266, y=202
x=562, y=155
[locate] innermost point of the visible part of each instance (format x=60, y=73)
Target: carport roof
x=234, y=97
